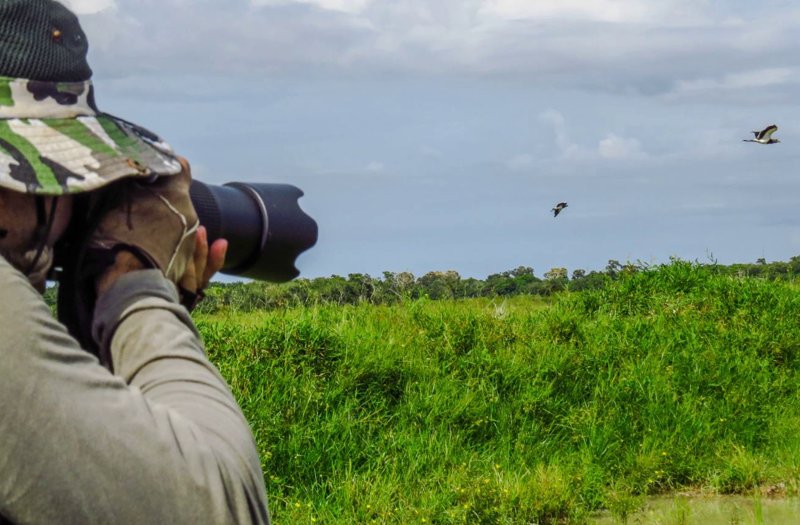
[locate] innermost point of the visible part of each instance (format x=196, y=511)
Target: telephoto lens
x=265, y=228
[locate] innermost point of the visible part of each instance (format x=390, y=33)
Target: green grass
x=521, y=410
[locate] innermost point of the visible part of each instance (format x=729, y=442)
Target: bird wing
x=767, y=132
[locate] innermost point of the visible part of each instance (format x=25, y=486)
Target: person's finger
x=215, y=261
x=187, y=168
x=201, y=251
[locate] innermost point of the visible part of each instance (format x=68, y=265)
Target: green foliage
x=394, y=288
x=517, y=410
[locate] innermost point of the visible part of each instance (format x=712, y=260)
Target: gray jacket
x=160, y=441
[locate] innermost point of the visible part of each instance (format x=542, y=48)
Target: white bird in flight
x=764, y=136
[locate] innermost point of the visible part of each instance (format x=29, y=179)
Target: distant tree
x=519, y=271
x=472, y=287
x=613, y=267
x=440, y=285
x=779, y=270
x=578, y=274
x=360, y=287
x=591, y=281
x=393, y=287
x=794, y=265
x=385, y=290
x=405, y=281
x=511, y=282
x=761, y=261
x=556, y=274
x=331, y=289
x=629, y=268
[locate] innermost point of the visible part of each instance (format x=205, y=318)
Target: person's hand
x=207, y=261
x=155, y=225
x=154, y=220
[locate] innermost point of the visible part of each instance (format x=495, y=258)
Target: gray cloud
x=674, y=49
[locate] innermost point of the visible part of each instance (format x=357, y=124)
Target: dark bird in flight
x=764, y=136
x=560, y=206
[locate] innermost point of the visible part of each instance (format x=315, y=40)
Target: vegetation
x=517, y=410
x=394, y=288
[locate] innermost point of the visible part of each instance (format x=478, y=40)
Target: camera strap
x=72, y=308
x=44, y=224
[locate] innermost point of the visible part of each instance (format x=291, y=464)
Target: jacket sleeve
x=162, y=441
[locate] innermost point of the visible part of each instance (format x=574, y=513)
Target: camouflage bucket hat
x=53, y=139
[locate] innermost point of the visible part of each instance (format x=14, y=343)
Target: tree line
x=394, y=287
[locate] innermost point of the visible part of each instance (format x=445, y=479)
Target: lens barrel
x=265, y=228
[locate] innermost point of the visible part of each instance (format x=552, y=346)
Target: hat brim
x=76, y=155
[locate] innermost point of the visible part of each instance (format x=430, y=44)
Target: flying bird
x=560, y=206
x=764, y=136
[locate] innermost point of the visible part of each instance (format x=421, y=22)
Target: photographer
x=132, y=424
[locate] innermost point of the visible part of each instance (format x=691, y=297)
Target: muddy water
x=721, y=510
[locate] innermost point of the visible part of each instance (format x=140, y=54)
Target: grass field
x=523, y=410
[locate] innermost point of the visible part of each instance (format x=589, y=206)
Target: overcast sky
x=438, y=134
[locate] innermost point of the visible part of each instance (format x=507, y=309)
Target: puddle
x=711, y=510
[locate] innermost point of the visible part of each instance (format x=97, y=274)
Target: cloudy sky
x=437, y=134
